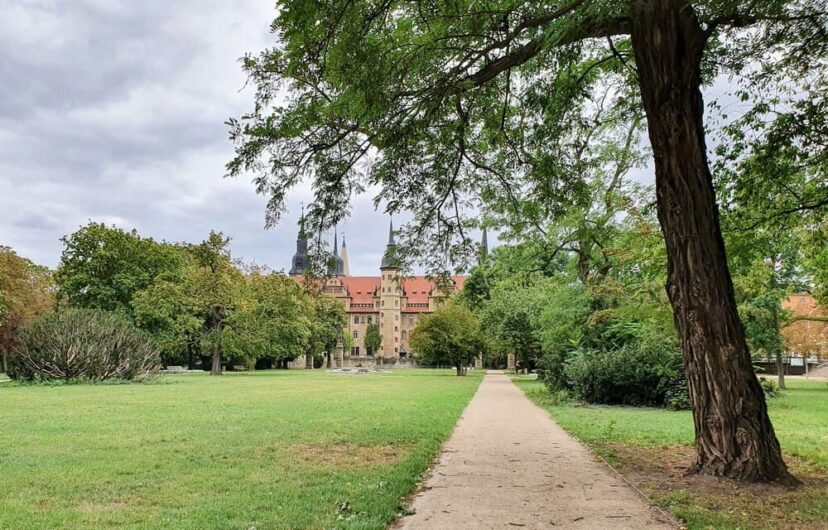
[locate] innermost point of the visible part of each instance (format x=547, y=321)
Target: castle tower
x=300, y=259
x=390, y=299
x=346, y=270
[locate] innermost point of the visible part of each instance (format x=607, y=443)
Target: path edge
x=429, y=472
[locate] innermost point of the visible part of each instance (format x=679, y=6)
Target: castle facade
x=392, y=301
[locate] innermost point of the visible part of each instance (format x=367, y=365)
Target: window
x=355, y=351
x=396, y=317
x=396, y=328
x=363, y=319
x=356, y=334
x=370, y=319
x=356, y=320
x=369, y=352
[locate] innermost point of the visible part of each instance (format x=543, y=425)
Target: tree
x=103, y=267
x=194, y=306
x=450, y=335
x=441, y=93
x=510, y=317
x=26, y=292
x=328, y=320
x=273, y=320
x=373, y=339
x=767, y=238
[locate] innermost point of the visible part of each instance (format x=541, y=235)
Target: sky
x=113, y=111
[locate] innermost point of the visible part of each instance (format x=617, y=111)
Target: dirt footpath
x=508, y=465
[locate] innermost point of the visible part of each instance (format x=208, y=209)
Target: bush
x=642, y=372
x=770, y=387
x=83, y=344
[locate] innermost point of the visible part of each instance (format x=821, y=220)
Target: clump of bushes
x=623, y=364
x=632, y=375
x=83, y=344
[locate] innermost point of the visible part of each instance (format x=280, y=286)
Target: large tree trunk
x=734, y=436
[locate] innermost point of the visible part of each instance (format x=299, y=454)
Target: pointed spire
x=484, y=245
x=299, y=262
x=346, y=269
x=302, y=223
x=389, y=258
x=336, y=246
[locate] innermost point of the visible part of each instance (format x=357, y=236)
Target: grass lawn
x=652, y=448
x=277, y=449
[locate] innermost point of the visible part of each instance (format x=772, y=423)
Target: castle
x=392, y=301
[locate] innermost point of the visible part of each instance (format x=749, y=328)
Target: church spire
x=299, y=261
x=346, y=270
x=336, y=267
x=389, y=258
x=484, y=246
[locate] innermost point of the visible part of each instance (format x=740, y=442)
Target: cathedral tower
x=300, y=260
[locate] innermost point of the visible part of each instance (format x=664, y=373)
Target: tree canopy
x=103, y=267
x=447, y=107
x=449, y=336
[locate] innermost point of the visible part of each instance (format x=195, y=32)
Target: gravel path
x=508, y=465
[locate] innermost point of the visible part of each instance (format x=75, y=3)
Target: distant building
x=805, y=337
x=392, y=301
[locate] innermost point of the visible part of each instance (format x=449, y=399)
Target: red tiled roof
x=361, y=288
x=417, y=289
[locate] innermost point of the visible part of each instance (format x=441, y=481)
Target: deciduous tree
x=26, y=292
x=103, y=267
x=450, y=335
x=373, y=339
x=428, y=100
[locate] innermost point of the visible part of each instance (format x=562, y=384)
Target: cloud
x=114, y=111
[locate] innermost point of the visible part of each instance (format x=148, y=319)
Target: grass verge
x=280, y=449
x=653, y=448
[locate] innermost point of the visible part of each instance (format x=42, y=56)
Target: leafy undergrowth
x=277, y=449
x=653, y=447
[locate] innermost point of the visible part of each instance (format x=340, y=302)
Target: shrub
x=770, y=387
x=83, y=344
x=642, y=372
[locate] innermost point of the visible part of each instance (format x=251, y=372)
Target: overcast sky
x=114, y=110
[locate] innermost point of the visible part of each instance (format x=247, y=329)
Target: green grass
x=627, y=437
x=281, y=449
x=800, y=417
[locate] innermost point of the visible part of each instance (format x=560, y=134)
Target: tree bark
x=216, y=367
x=780, y=371
x=734, y=436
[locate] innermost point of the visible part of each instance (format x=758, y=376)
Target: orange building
x=805, y=337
